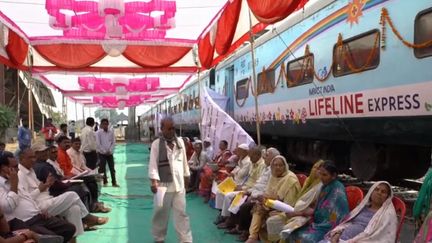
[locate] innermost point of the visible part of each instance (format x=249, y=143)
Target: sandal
x=102, y=220
x=100, y=208
x=96, y=221
x=233, y=231
x=89, y=228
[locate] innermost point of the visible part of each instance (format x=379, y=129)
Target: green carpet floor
x=130, y=218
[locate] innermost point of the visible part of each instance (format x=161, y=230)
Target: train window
x=300, y=71
x=423, y=33
x=357, y=54
x=242, y=89
x=185, y=105
x=266, y=81
x=197, y=102
x=190, y=102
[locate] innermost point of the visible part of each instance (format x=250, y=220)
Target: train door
x=229, y=89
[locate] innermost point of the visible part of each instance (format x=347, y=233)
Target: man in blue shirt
x=24, y=136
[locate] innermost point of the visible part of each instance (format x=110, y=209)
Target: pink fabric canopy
x=116, y=85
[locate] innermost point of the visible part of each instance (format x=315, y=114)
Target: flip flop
x=101, y=209
x=89, y=228
x=102, y=220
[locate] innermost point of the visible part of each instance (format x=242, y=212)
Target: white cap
x=244, y=146
x=207, y=140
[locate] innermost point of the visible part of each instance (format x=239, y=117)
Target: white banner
x=217, y=125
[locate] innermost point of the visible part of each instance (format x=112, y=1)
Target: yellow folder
x=227, y=185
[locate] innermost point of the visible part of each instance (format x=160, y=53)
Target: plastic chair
x=354, y=195
x=302, y=178
x=400, y=211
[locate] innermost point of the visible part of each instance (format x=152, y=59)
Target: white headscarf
x=382, y=228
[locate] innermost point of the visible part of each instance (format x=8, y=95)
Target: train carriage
x=348, y=80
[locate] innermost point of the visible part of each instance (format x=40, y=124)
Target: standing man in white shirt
x=168, y=168
x=88, y=143
x=105, y=141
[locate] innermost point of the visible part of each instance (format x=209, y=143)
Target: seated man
x=243, y=217
x=68, y=204
x=77, y=157
x=20, y=206
x=239, y=174
x=64, y=158
x=43, y=169
x=23, y=235
x=255, y=172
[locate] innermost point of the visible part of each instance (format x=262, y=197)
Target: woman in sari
x=421, y=211
x=196, y=163
x=210, y=171
x=331, y=207
x=283, y=186
x=374, y=220
x=308, y=194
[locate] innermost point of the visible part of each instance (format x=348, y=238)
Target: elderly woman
x=211, y=171
x=308, y=195
x=283, y=186
x=331, y=207
x=198, y=160
x=374, y=220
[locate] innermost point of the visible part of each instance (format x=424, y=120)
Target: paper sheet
x=160, y=194
x=86, y=173
x=227, y=185
x=278, y=205
x=72, y=181
x=239, y=200
x=214, y=187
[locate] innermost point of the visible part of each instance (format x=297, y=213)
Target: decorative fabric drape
x=272, y=11
x=16, y=48
x=155, y=56
x=206, y=51
x=71, y=56
x=226, y=27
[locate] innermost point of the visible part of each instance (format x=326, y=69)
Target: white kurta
x=241, y=172
x=68, y=204
x=175, y=196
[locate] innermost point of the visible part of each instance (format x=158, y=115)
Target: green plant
x=7, y=119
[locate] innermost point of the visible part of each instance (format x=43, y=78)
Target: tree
x=7, y=119
x=57, y=117
x=110, y=114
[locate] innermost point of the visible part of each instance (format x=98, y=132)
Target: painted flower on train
x=291, y=115
x=355, y=11
x=303, y=115
x=297, y=117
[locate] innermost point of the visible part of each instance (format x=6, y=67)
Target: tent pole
x=76, y=112
x=83, y=116
x=199, y=95
x=254, y=81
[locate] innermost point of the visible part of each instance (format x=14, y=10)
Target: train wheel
x=407, y=161
x=365, y=159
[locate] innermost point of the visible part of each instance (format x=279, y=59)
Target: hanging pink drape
x=155, y=56
x=110, y=85
x=272, y=11
x=71, y=56
x=226, y=27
